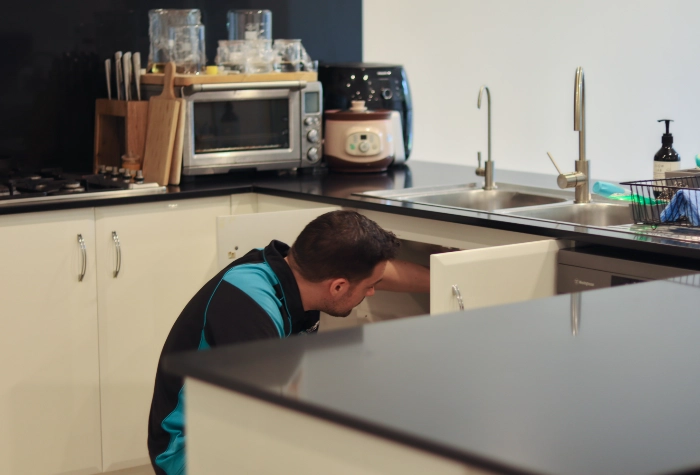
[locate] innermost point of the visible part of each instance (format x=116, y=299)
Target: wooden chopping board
x=163, y=116
x=176, y=165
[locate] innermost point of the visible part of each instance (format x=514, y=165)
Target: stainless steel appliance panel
x=595, y=267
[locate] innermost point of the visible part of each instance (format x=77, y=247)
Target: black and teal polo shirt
x=255, y=297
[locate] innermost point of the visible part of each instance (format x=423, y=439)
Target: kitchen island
x=595, y=383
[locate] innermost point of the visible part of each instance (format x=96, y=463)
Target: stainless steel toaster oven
x=256, y=125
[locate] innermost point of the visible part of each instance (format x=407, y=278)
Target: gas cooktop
x=53, y=184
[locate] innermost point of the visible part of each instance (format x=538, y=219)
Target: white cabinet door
x=49, y=389
x=494, y=275
x=168, y=251
x=239, y=233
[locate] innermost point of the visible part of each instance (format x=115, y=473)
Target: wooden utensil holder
x=120, y=129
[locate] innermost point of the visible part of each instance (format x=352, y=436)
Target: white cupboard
x=151, y=259
x=470, y=267
x=493, y=276
x=49, y=389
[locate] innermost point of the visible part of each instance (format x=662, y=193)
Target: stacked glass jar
x=178, y=36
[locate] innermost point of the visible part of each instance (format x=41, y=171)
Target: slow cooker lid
x=358, y=111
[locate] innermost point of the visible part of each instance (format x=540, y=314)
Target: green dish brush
x=614, y=192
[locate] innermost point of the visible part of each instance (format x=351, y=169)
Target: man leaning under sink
x=338, y=259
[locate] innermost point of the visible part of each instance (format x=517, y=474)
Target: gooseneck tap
x=583, y=192
x=487, y=171
x=580, y=178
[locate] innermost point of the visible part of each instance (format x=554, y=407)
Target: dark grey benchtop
x=509, y=388
x=335, y=188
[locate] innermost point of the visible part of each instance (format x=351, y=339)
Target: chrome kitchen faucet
x=580, y=178
x=486, y=172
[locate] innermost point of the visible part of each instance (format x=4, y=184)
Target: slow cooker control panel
x=364, y=144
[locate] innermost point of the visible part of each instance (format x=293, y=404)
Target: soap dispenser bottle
x=666, y=159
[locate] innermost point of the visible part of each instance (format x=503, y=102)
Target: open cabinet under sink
x=470, y=266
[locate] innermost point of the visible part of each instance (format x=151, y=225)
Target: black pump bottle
x=666, y=159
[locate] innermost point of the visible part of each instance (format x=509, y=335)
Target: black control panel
x=381, y=86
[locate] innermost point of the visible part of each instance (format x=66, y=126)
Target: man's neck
x=307, y=290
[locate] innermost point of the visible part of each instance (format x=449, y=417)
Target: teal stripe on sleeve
x=172, y=461
x=257, y=280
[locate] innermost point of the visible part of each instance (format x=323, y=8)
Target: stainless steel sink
x=472, y=197
x=588, y=214
x=527, y=202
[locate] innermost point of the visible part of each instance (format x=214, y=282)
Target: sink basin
x=471, y=197
x=588, y=214
x=514, y=200
x=486, y=200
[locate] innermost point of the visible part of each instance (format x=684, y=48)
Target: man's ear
x=339, y=287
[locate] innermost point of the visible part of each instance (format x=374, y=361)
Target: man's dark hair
x=342, y=244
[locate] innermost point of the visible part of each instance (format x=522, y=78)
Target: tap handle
x=554, y=163
x=567, y=180
x=479, y=171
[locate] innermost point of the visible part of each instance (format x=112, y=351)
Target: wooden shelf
x=189, y=79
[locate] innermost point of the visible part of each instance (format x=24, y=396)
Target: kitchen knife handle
x=458, y=294
x=136, y=59
x=126, y=68
x=115, y=238
x=83, y=252
x=118, y=73
x=108, y=73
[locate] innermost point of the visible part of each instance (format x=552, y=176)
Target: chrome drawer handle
x=458, y=294
x=83, y=252
x=115, y=238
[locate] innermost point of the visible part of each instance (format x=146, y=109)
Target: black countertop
x=335, y=188
x=510, y=388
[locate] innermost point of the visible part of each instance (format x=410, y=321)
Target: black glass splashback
x=52, y=59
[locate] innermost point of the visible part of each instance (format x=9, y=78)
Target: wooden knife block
x=120, y=129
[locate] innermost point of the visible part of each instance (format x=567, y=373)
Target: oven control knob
x=312, y=154
x=364, y=147
x=387, y=94
x=309, y=121
x=312, y=136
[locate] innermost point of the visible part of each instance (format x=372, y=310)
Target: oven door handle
x=238, y=86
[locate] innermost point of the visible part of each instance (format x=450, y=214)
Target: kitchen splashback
x=52, y=56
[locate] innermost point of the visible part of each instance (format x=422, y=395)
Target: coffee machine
x=380, y=86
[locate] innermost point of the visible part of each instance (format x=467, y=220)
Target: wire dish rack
x=669, y=201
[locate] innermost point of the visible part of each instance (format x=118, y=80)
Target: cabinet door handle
x=83, y=252
x=115, y=238
x=458, y=294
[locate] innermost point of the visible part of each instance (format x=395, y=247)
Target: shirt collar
x=275, y=252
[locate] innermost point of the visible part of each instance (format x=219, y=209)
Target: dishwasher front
x=594, y=267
